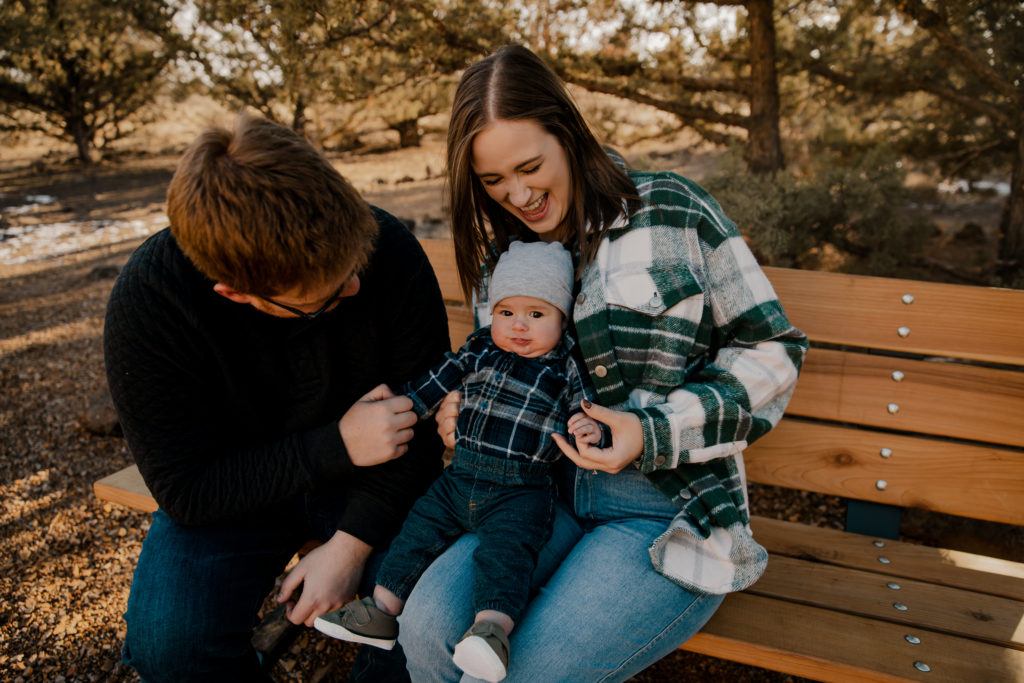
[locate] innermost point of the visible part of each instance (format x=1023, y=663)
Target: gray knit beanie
x=542, y=270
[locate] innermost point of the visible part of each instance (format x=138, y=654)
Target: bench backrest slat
x=460, y=317
x=441, y=254
x=944, y=399
x=977, y=481
x=978, y=323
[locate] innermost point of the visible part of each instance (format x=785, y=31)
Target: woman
x=692, y=358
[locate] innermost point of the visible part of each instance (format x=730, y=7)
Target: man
x=248, y=347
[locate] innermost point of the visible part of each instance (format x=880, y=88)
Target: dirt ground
x=66, y=559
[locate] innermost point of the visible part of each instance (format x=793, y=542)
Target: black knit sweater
x=231, y=414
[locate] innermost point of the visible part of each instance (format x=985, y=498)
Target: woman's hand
x=446, y=417
x=584, y=429
x=627, y=441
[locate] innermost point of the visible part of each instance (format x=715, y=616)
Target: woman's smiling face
x=524, y=168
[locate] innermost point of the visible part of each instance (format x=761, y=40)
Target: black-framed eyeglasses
x=303, y=314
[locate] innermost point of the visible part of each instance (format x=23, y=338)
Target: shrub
x=844, y=215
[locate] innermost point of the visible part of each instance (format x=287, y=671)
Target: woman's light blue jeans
x=601, y=614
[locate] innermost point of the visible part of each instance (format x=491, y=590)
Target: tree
x=287, y=56
x=277, y=57
x=77, y=70
x=961, y=64
x=402, y=108
x=408, y=71
x=722, y=84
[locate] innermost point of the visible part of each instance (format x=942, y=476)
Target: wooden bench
x=912, y=396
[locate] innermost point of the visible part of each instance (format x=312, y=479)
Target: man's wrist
x=352, y=545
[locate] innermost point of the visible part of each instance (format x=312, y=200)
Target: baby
x=520, y=384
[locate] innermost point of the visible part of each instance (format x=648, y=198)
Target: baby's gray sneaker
x=483, y=652
x=360, y=621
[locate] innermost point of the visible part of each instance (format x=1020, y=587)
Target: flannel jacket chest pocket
x=654, y=317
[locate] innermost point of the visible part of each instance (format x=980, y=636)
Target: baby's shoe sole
x=341, y=633
x=475, y=657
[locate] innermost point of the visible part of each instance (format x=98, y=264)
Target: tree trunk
x=81, y=135
x=1011, y=224
x=408, y=133
x=73, y=108
x=764, y=144
x=299, y=116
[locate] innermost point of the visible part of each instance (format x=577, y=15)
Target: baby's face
x=526, y=326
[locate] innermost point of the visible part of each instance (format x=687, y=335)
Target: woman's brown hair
x=263, y=211
x=514, y=84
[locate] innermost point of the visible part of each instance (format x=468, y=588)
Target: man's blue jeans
x=196, y=592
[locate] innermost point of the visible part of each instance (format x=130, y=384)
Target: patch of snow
x=35, y=201
x=961, y=186
x=25, y=243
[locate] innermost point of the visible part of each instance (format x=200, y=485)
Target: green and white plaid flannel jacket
x=678, y=324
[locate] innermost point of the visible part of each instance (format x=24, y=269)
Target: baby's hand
x=584, y=429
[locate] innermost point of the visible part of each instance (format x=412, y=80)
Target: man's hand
x=378, y=427
x=447, y=415
x=329, y=576
x=627, y=441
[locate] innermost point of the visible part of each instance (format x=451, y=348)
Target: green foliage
x=844, y=215
x=942, y=80
x=322, y=61
x=693, y=60
x=285, y=56
x=77, y=70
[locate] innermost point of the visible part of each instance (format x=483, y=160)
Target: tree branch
x=451, y=39
x=906, y=86
x=736, y=85
x=936, y=25
x=684, y=112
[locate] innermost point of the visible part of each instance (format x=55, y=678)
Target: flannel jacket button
x=601, y=371
x=659, y=461
x=685, y=494
x=580, y=298
x=655, y=301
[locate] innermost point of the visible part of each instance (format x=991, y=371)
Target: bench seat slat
x=127, y=488
x=944, y=399
x=832, y=646
x=981, y=482
x=980, y=323
x=938, y=608
x=940, y=566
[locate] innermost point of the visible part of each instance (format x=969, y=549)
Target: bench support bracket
x=873, y=519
